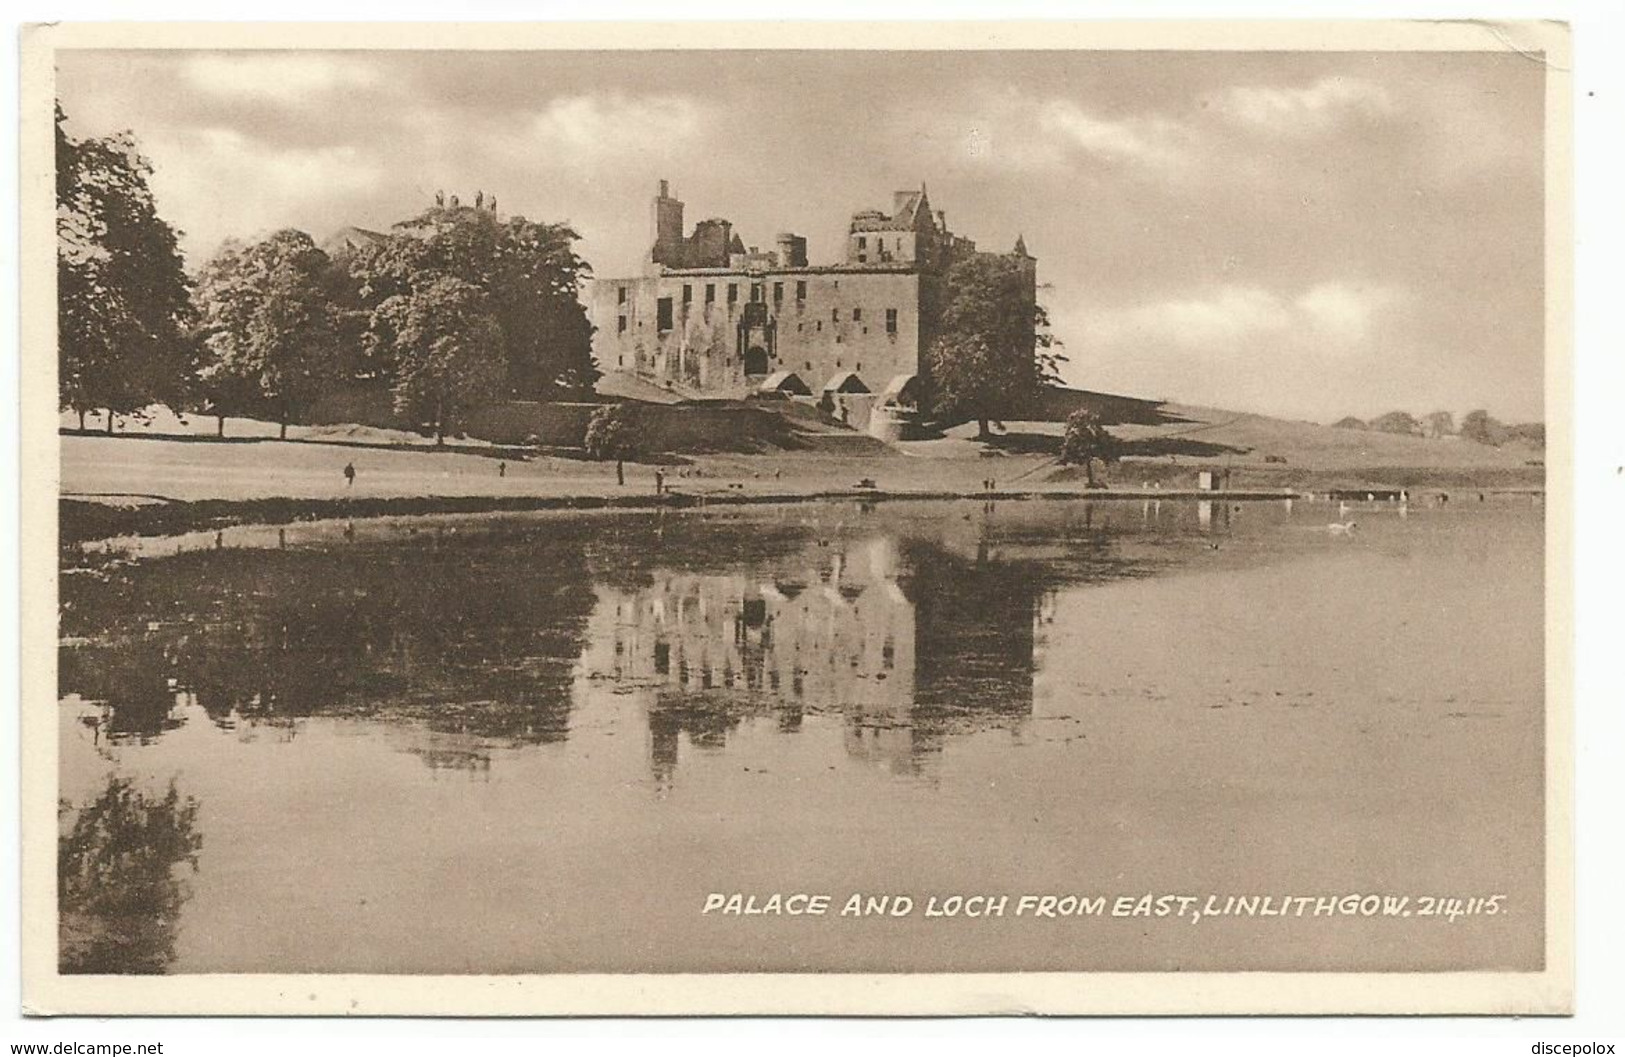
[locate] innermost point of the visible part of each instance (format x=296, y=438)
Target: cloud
x=1342, y=311
x=1333, y=316
x=1153, y=141
x=1303, y=110
x=595, y=125
x=227, y=184
x=1222, y=317
x=285, y=78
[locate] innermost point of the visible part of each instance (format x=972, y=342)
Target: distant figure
x=660, y=482
x=502, y=468
x=349, y=475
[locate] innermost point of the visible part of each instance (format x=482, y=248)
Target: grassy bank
x=147, y=481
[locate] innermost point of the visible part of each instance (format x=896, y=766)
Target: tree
x=1400, y=422
x=531, y=277
x=992, y=354
x=446, y=349
x=1436, y=424
x=123, y=309
x=615, y=431
x=1087, y=439
x=1479, y=427
x=270, y=321
x=1348, y=422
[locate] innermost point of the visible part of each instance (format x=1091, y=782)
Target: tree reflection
x=118, y=895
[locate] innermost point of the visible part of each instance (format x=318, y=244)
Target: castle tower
x=668, y=229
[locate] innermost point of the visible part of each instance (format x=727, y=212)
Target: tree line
x=1478, y=426
x=452, y=308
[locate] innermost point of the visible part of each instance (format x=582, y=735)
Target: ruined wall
x=823, y=323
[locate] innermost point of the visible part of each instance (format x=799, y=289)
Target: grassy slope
x=172, y=460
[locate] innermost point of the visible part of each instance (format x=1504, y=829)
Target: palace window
x=620, y=324
x=710, y=293
x=756, y=293
x=620, y=295
x=688, y=293
x=857, y=315
x=733, y=294
x=663, y=314
x=834, y=315
x=891, y=321
x=778, y=293
x=863, y=243
x=801, y=290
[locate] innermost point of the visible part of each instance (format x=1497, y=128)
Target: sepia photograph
x=819, y=519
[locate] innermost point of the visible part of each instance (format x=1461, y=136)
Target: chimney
x=665, y=189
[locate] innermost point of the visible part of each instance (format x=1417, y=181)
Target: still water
x=539, y=743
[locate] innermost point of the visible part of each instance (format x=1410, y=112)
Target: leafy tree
x=529, y=273
x=123, y=310
x=1438, y=424
x=1396, y=422
x=993, y=352
x=273, y=328
x=1087, y=439
x=446, y=348
x=615, y=431
x=1348, y=422
x=1531, y=433
x=1479, y=427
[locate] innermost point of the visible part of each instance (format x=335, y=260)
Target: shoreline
x=86, y=519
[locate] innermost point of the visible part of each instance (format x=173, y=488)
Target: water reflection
x=117, y=885
x=910, y=638
x=498, y=741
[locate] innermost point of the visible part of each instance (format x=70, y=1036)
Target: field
x=172, y=462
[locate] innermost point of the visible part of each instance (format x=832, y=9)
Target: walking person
x=349, y=475
x=660, y=482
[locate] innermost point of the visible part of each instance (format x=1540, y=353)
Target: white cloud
x=1344, y=312
x=1221, y=317
x=596, y=125
x=217, y=182
x=1328, y=318
x=1150, y=141
x=1293, y=111
x=285, y=78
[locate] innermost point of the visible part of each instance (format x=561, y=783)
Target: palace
x=714, y=317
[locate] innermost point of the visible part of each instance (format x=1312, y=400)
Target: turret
x=668, y=228
x=792, y=250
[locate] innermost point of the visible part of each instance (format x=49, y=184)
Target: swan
x=1341, y=528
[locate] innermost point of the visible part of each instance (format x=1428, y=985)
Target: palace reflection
x=908, y=640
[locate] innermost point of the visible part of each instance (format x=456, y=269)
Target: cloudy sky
x=1310, y=235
